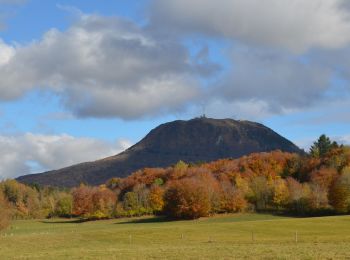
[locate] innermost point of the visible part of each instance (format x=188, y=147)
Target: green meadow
x=241, y=236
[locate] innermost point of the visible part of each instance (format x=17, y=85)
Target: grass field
x=224, y=237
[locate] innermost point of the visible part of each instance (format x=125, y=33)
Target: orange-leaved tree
x=155, y=198
x=4, y=212
x=339, y=194
x=187, y=198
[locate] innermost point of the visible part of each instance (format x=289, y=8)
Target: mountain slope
x=200, y=139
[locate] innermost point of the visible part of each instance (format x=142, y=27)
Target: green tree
x=12, y=191
x=64, y=206
x=322, y=146
x=158, y=182
x=130, y=201
x=261, y=192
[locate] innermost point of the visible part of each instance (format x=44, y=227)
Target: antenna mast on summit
x=203, y=110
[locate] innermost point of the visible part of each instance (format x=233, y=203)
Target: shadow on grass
x=310, y=214
x=71, y=221
x=147, y=220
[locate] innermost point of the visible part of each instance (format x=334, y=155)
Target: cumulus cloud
x=6, y=53
x=112, y=67
x=280, y=81
x=344, y=139
x=296, y=25
x=338, y=117
x=29, y=153
x=284, y=55
x=337, y=59
x=251, y=109
x=103, y=67
x=306, y=143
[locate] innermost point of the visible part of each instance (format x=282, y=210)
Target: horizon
x=80, y=81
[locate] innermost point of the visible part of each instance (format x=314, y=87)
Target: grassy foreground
x=224, y=237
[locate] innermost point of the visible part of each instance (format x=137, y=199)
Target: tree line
x=314, y=183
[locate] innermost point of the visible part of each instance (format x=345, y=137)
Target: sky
x=82, y=80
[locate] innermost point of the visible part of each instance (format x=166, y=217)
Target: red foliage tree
x=231, y=199
x=82, y=198
x=187, y=198
x=93, y=202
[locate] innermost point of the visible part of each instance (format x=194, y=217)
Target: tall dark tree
x=322, y=146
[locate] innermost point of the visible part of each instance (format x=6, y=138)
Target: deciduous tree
x=5, y=212
x=187, y=198
x=339, y=194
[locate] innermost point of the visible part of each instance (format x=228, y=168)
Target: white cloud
x=296, y=25
x=338, y=60
x=18, y=154
x=111, y=67
x=282, y=82
x=344, y=139
x=306, y=143
x=103, y=66
x=275, y=51
x=238, y=110
x=6, y=53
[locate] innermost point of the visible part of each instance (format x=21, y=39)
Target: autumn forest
x=311, y=184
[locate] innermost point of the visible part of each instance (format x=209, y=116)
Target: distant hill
x=196, y=140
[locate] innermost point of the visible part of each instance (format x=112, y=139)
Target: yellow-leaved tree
x=4, y=212
x=339, y=194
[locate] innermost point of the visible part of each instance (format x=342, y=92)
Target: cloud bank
x=30, y=153
x=283, y=54
x=103, y=67
x=276, y=78
x=295, y=25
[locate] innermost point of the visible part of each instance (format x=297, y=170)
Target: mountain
x=200, y=139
